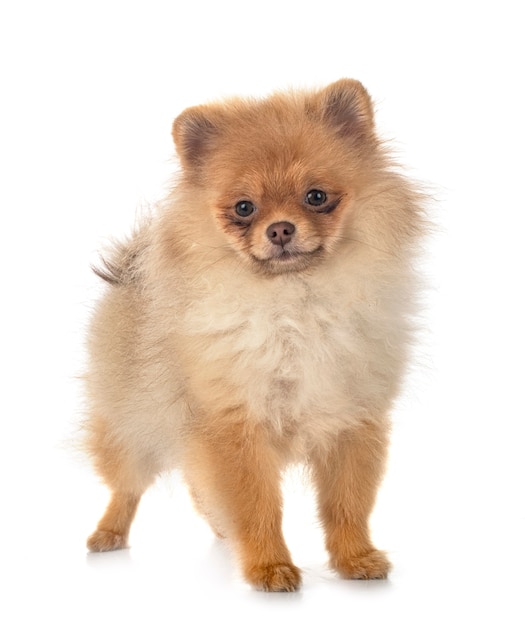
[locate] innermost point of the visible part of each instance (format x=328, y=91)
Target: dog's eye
x=244, y=208
x=316, y=197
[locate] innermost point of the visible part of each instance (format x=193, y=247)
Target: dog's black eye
x=316, y=197
x=244, y=208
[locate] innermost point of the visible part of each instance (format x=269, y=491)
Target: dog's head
x=280, y=174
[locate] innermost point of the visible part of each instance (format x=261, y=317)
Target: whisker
x=367, y=244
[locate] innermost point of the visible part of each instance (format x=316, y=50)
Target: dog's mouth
x=288, y=260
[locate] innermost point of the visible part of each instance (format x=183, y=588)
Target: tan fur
x=228, y=356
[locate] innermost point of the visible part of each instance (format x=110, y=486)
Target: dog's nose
x=280, y=233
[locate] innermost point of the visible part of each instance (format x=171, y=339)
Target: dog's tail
x=120, y=265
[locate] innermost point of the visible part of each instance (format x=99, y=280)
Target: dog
x=262, y=316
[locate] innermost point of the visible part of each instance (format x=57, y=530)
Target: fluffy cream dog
x=260, y=318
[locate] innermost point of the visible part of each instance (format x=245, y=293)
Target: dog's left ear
x=347, y=106
x=195, y=132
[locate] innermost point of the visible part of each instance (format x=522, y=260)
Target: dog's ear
x=195, y=132
x=347, y=107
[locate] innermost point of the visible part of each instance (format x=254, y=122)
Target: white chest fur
x=291, y=348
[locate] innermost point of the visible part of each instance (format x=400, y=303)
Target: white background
x=88, y=93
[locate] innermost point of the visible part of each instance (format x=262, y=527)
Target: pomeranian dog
x=261, y=317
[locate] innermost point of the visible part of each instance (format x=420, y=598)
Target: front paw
x=105, y=540
x=372, y=565
x=274, y=577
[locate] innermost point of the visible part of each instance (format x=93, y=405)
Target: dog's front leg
x=235, y=472
x=347, y=476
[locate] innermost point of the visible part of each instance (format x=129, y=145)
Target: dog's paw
x=105, y=540
x=275, y=577
x=370, y=566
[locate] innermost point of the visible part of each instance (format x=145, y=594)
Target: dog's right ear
x=195, y=132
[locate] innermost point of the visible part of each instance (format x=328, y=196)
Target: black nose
x=280, y=233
